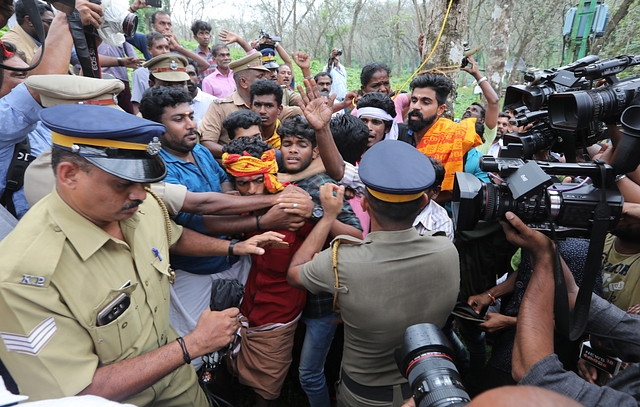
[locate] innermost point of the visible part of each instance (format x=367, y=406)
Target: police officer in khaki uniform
x=393, y=279
x=246, y=71
x=168, y=70
x=84, y=292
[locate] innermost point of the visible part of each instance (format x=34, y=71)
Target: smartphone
x=154, y=3
x=113, y=309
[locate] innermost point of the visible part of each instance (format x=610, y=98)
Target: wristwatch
x=317, y=212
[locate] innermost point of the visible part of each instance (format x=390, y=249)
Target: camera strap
x=86, y=48
x=573, y=325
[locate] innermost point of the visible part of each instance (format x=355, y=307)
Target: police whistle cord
x=572, y=325
x=86, y=48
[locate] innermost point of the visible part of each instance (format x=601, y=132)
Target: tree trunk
x=449, y=51
x=622, y=11
x=498, y=46
x=352, y=30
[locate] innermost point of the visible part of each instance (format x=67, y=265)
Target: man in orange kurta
x=436, y=136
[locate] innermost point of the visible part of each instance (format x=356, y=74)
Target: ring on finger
x=295, y=205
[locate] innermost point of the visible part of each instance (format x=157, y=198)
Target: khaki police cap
x=168, y=67
x=251, y=61
x=70, y=89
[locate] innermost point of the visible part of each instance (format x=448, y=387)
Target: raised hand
x=317, y=109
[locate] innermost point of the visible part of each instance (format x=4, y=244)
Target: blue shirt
x=207, y=176
x=19, y=112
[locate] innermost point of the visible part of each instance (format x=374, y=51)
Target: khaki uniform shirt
x=211, y=128
x=58, y=271
x=389, y=282
x=22, y=41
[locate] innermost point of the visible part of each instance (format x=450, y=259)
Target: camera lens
x=130, y=25
x=576, y=110
x=425, y=359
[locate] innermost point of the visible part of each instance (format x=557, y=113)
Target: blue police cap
x=269, y=58
x=395, y=171
x=119, y=143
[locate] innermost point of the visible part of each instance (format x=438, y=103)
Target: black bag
x=225, y=293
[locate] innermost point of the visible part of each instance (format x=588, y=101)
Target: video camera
x=529, y=191
x=426, y=361
x=567, y=112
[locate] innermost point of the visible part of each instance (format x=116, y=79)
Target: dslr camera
x=426, y=361
x=265, y=36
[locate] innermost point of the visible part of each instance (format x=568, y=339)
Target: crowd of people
x=194, y=220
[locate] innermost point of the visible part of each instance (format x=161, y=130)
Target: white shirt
x=200, y=104
x=434, y=218
x=494, y=150
x=351, y=179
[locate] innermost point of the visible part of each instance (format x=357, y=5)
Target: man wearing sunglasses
x=23, y=35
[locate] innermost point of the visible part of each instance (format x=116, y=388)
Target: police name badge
x=32, y=280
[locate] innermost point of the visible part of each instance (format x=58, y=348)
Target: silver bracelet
x=484, y=78
x=620, y=176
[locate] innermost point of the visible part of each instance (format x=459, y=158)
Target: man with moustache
x=200, y=100
x=84, y=292
x=434, y=135
x=503, y=127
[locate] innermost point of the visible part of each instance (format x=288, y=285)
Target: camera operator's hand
x=630, y=214
x=521, y=235
x=317, y=109
x=473, y=69
x=587, y=371
x=90, y=13
x=6, y=11
x=495, y=322
x=138, y=4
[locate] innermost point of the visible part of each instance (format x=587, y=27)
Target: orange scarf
x=247, y=166
x=448, y=142
x=274, y=141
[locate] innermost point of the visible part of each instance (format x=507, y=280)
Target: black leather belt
x=377, y=393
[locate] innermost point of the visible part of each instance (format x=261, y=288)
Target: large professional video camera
x=529, y=192
x=426, y=360
x=563, y=110
x=560, y=109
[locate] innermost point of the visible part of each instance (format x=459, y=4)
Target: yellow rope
x=334, y=257
x=444, y=22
